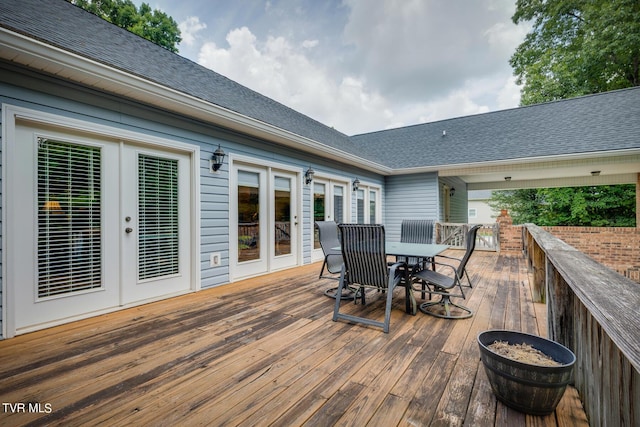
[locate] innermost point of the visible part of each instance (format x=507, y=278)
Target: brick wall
x=616, y=247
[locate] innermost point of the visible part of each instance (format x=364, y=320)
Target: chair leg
x=338, y=296
x=348, y=293
x=468, y=278
x=387, y=310
x=410, y=300
x=446, y=303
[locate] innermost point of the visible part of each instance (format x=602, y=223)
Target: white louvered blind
x=69, y=223
x=158, y=237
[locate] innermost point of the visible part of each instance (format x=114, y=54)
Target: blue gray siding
x=458, y=203
x=417, y=194
x=79, y=103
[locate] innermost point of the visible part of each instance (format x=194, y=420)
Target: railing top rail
x=612, y=299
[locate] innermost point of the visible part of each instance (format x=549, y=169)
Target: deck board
x=265, y=351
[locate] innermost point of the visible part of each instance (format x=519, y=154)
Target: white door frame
x=329, y=181
x=268, y=168
x=367, y=189
x=11, y=172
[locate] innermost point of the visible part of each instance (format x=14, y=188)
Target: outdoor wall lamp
x=356, y=184
x=217, y=159
x=452, y=191
x=308, y=175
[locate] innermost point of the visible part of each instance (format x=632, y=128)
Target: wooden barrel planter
x=528, y=388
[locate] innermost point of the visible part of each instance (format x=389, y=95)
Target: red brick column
x=510, y=235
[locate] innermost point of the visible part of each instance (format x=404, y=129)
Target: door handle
x=128, y=230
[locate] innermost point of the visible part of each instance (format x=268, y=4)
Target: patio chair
x=365, y=266
x=328, y=236
x=438, y=283
x=416, y=231
x=468, y=243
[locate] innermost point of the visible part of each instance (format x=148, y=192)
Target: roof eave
x=463, y=168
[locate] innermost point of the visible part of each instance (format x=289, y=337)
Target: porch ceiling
x=609, y=169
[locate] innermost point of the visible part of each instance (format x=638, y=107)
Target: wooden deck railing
x=454, y=235
x=593, y=311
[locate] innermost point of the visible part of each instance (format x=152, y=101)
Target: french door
x=368, y=209
x=155, y=230
x=96, y=224
x=264, y=219
x=329, y=204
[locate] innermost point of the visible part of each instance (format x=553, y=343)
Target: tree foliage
x=596, y=206
x=153, y=25
x=576, y=47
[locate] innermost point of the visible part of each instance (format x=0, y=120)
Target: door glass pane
x=158, y=237
x=69, y=223
x=360, y=206
x=282, y=206
x=338, y=204
x=248, y=216
x=318, y=209
x=372, y=207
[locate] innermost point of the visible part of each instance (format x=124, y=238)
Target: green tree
x=596, y=206
x=576, y=47
x=153, y=25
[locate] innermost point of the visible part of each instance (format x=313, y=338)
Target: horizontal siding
x=458, y=203
x=416, y=193
x=93, y=107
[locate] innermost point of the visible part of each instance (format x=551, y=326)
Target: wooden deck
x=266, y=352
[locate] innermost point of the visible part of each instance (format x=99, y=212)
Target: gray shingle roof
x=593, y=123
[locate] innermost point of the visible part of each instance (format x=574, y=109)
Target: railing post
x=559, y=307
x=539, y=268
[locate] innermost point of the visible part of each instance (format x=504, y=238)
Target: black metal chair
x=328, y=236
x=473, y=246
x=365, y=266
x=417, y=231
x=443, y=285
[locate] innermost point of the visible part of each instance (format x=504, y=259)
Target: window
x=368, y=205
x=473, y=213
x=69, y=222
x=248, y=216
x=158, y=244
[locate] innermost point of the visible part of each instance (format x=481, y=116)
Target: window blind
x=158, y=234
x=69, y=223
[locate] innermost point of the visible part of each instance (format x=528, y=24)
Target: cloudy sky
x=359, y=65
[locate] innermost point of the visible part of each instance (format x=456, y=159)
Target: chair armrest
x=395, y=266
x=446, y=265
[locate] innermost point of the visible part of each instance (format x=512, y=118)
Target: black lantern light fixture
x=452, y=191
x=217, y=159
x=308, y=175
x=356, y=184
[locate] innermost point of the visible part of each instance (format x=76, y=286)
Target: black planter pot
x=532, y=389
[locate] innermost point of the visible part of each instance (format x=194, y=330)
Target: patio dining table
x=424, y=251
x=416, y=250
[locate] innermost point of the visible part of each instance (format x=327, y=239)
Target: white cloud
x=189, y=28
x=278, y=70
x=308, y=44
x=402, y=63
